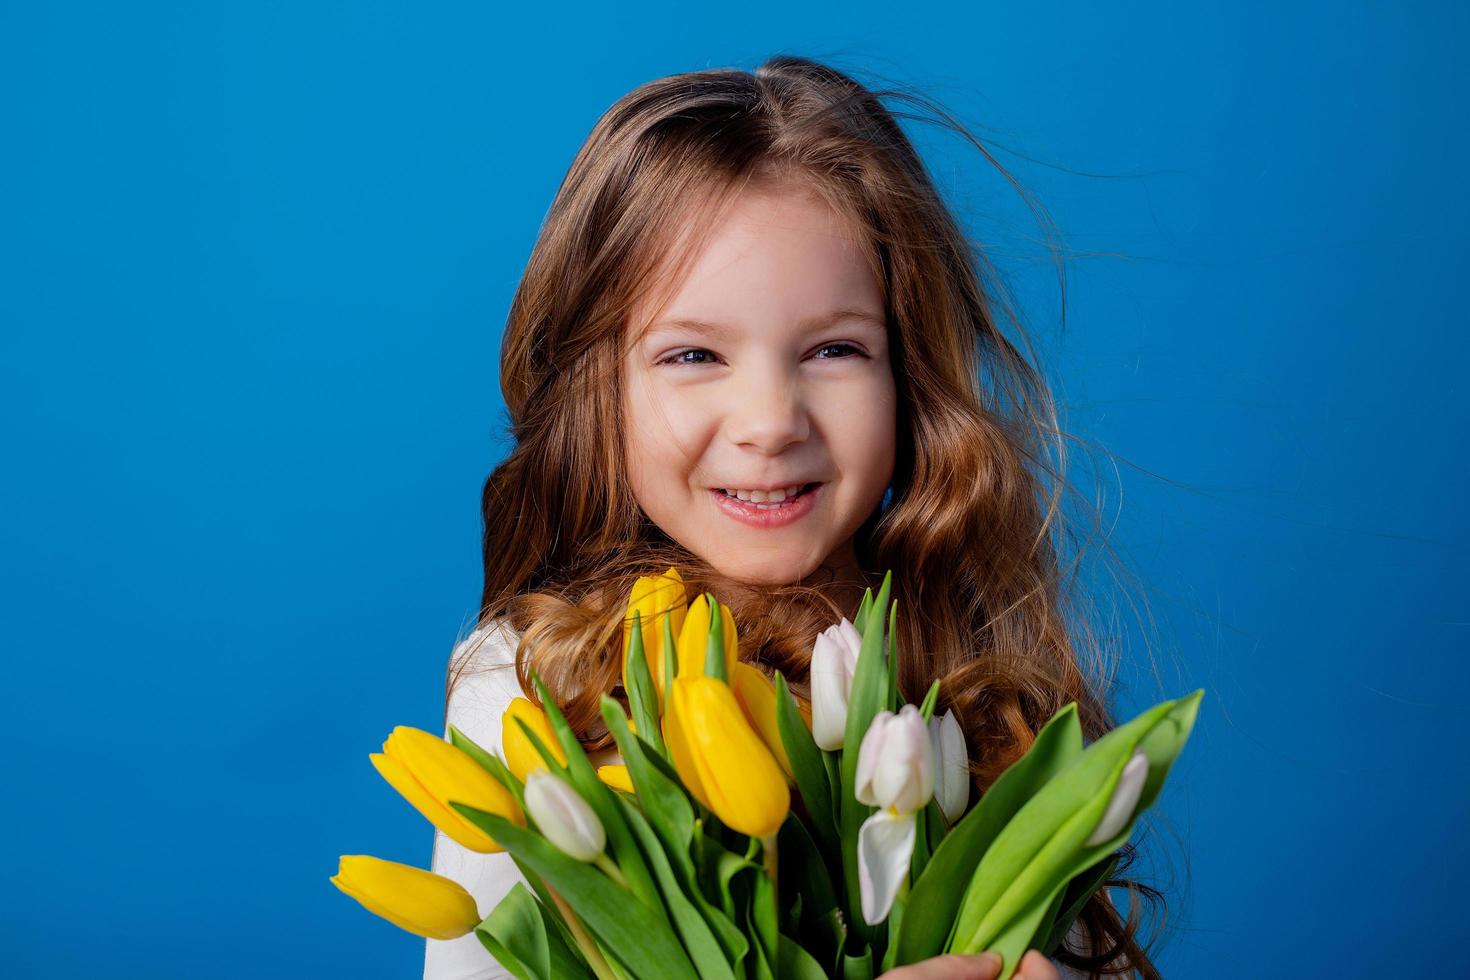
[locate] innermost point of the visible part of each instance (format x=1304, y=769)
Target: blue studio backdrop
x=254, y=264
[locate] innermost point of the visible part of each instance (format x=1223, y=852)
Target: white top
x=479, y=699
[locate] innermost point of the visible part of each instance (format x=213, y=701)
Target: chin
x=766, y=569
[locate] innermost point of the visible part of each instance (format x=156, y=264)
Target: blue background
x=256, y=259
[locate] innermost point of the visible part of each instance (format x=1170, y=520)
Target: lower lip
x=753, y=516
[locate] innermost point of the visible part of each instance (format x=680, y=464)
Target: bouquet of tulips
x=695, y=858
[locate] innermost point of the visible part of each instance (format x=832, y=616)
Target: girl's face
x=767, y=369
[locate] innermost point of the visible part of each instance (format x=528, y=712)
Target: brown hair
x=985, y=559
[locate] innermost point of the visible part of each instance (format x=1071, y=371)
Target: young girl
x=752, y=344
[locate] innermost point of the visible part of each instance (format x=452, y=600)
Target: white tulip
x=951, y=766
x=1125, y=798
x=563, y=817
x=834, y=660
x=895, y=768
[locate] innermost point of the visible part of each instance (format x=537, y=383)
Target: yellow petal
x=678, y=742
x=616, y=776
x=653, y=598
x=436, y=811
x=757, y=696
x=430, y=773
x=521, y=756
x=693, y=639
x=419, y=901
x=742, y=781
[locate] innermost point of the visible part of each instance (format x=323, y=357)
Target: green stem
x=768, y=855
x=585, y=943
x=606, y=864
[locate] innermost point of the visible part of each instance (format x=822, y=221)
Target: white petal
x=885, y=845
x=563, y=817
x=849, y=639
x=920, y=752
x=1125, y=798
x=951, y=766
x=830, y=684
x=871, y=765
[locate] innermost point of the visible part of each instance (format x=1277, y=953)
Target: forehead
x=772, y=254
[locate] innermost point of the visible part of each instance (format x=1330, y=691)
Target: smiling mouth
x=806, y=488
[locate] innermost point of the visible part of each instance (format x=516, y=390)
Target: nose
x=769, y=412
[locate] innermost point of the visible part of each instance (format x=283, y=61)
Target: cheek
x=656, y=450
x=863, y=427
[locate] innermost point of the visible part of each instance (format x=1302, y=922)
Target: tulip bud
x=562, y=816
x=430, y=773
x=834, y=660
x=721, y=759
x=1125, y=798
x=521, y=756
x=951, y=766
x=655, y=597
x=419, y=901
x=895, y=768
x=693, y=639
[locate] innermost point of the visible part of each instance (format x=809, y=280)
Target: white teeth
x=765, y=496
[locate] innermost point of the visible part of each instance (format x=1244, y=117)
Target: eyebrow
x=815, y=322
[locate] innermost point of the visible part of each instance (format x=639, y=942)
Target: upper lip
x=766, y=487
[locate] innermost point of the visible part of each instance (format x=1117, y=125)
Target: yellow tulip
x=693, y=639
x=721, y=758
x=431, y=772
x=420, y=901
x=653, y=598
x=521, y=756
x=757, y=697
x=616, y=776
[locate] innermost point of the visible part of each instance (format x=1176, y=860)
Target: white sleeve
x=479, y=698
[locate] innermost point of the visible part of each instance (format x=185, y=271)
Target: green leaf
x=858, y=967
x=806, y=766
x=548, y=906
x=699, y=941
x=639, y=936
x=866, y=699
x=705, y=892
x=894, y=922
x=714, y=647
x=671, y=660
x=671, y=819
x=1044, y=846
x=801, y=862
x=603, y=800
x=929, y=833
x=1078, y=892
x=642, y=695
x=524, y=940
x=663, y=799
x=861, y=619
x=728, y=866
x=947, y=875
x=893, y=700
x=926, y=710
x=762, y=922
x=795, y=963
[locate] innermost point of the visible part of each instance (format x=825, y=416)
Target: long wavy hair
x=984, y=551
